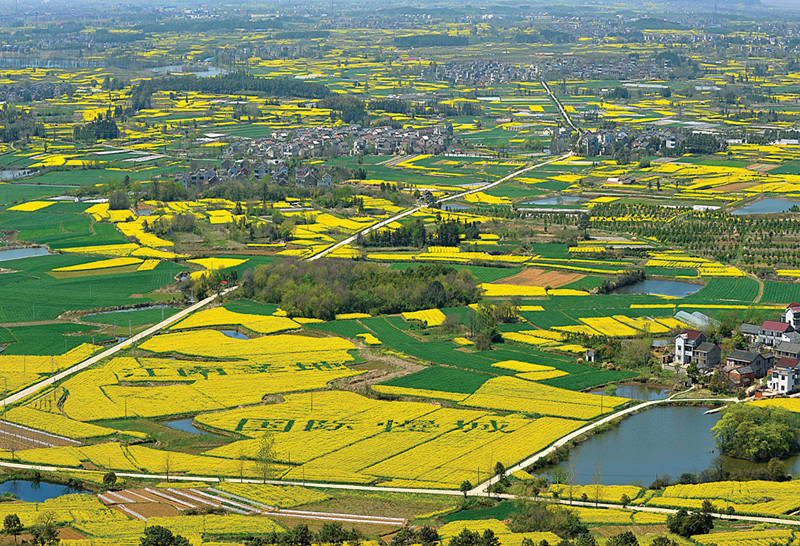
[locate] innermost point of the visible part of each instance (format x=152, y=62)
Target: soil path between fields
x=409, y=212
x=24, y=393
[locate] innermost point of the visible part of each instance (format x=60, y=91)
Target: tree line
x=227, y=84
x=99, y=129
x=324, y=288
x=430, y=40
x=416, y=234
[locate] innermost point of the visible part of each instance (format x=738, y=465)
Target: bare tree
x=572, y=471
x=265, y=455
x=167, y=463
x=597, y=481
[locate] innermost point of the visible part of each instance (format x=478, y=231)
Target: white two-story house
x=784, y=377
x=685, y=343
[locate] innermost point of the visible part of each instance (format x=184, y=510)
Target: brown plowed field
x=16, y=437
x=541, y=277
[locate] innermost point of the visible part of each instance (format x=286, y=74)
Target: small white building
x=792, y=314
x=784, y=377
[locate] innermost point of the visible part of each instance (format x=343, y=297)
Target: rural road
x=560, y=107
x=16, y=397
x=401, y=215
x=447, y=492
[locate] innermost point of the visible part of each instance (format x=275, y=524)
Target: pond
x=676, y=289
x=27, y=62
x=454, y=207
x=639, y=392
x=17, y=253
x=128, y=310
x=185, y=425
x=558, y=200
x=33, y=491
x=234, y=334
x=662, y=440
x=176, y=68
x=13, y=174
x=766, y=206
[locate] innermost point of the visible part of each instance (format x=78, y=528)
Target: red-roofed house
x=685, y=343
x=784, y=377
x=792, y=314
x=773, y=332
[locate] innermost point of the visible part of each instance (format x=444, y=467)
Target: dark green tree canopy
x=324, y=288
x=161, y=536
x=757, y=433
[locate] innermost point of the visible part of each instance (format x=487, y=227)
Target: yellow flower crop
x=21, y=370
x=125, y=249
x=136, y=230
x=211, y=264
x=255, y=368
x=602, y=493
x=431, y=317
x=370, y=339
x=747, y=538
x=101, y=264
x=219, y=316
x=519, y=366
x=791, y=404
x=518, y=395
x=55, y=424
x=609, y=327
x=344, y=437
x=421, y=393
x=148, y=265
x=485, y=198
x=524, y=337
x=144, y=252
x=506, y=537
x=758, y=498
x=32, y=206
x=346, y=316
x=492, y=290
x=287, y=496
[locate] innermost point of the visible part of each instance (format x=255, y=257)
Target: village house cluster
x=315, y=142
x=773, y=353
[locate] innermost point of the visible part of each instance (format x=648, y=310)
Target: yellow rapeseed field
x=219, y=316
x=32, y=206
x=101, y=264
x=518, y=395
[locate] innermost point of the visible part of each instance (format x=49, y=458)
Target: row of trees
x=416, y=234
x=226, y=84
x=430, y=40
x=330, y=534
x=99, y=129
x=241, y=82
x=17, y=123
x=43, y=533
